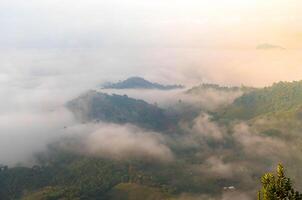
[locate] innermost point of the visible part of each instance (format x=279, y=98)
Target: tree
x=277, y=187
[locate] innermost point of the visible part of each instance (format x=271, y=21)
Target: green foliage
x=281, y=97
x=277, y=187
x=52, y=193
x=95, y=106
x=132, y=191
x=64, y=175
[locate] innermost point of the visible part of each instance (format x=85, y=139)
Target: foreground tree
x=277, y=187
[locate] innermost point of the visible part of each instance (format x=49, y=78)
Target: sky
x=133, y=23
x=213, y=41
x=53, y=50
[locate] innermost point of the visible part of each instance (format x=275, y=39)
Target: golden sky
x=212, y=40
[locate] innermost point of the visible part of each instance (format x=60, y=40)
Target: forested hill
x=280, y=97
x=208, y=86
x=139, y=83
x=96, y=106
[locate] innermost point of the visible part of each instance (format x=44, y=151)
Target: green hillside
x=51, y=193
x=132, y=191
x=122, y=191
x=65, y=175
x=96, y=106
x=283, y=98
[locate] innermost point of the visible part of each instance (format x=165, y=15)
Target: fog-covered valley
x=155, y=100
x=182, y=143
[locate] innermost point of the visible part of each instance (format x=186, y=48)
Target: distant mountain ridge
x=209, y=86
x=267, y=46
x=139, y=83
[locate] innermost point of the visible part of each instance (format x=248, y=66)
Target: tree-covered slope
x=95, y=106
x=133, y=191
x=207, y=86
x=63, y=175
x=283, y=98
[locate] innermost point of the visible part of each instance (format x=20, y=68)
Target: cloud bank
x=126, y=141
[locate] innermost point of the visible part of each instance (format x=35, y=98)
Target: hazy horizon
x=63, y=136
x=52, y=51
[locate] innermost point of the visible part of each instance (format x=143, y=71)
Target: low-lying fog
x=36, y=83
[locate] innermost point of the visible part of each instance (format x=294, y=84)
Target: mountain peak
x=137, y=82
